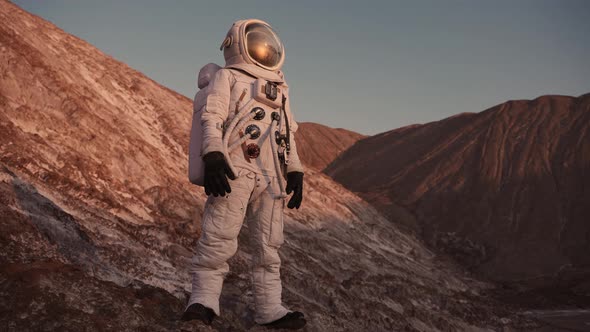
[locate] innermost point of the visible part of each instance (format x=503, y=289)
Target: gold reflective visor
x=263, y=45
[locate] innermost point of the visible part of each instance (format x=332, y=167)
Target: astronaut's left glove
x=295, y=185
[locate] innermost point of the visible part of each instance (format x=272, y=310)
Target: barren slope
x=504, y=190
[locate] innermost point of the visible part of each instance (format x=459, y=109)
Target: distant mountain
x=506, y=191
x=99, y=222
x=322, y=144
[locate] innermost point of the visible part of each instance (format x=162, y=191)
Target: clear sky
x=368, y=66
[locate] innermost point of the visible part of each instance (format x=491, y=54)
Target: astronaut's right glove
x=216, y=169
x=295, y=185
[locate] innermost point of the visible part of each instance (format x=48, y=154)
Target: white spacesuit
x=248, y=136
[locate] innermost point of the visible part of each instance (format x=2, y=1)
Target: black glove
x=215, y=170
x=295, y=185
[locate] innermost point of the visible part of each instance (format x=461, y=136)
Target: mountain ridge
x=501, y=164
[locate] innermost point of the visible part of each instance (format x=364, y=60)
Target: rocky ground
x=68, y=267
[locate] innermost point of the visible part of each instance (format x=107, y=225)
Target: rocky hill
x=505, y=190
x=99, y=222
x=323, y=143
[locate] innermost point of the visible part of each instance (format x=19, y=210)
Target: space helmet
x=253, y=42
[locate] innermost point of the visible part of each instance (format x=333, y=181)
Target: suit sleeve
x=216, y=111
x=294, y=161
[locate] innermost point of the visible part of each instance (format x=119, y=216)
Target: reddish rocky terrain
x=505, y=191
x=99, y=222
x=323, y=143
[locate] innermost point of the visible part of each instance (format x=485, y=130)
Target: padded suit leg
x=265, y=217
x=221, y=224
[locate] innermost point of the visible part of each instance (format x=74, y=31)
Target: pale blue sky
x=368, y=66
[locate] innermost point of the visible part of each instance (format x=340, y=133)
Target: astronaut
x=248, y=150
